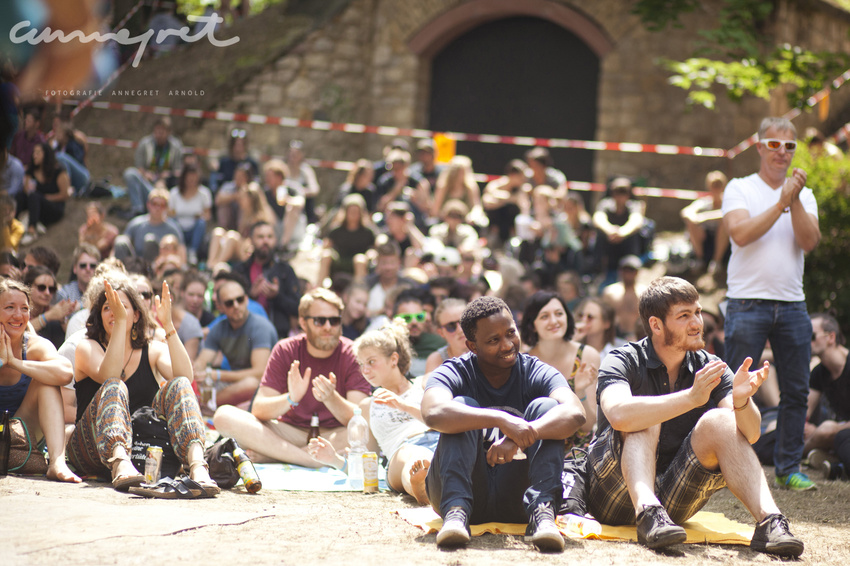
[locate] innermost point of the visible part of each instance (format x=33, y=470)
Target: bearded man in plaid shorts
x=675, y=426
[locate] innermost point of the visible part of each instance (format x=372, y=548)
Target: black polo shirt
x=637, y=365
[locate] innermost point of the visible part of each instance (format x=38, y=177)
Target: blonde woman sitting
x=392, y=412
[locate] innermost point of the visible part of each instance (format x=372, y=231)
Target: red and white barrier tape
x=817, y=97
x=322, y=125
x=682, y=194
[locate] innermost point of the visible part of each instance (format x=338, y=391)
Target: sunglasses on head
x=774, y=145
x=43, y=288
x=451, y=327
x=322, y=320
x=147, y=295
x=411, y=317
x=230, y=302
x=87, y=265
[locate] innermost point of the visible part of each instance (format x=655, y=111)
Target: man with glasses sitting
x=772, y=220
x=86, y=258
x=410, y=309
x=142, y=235
x=243, y=338
x=315, y=373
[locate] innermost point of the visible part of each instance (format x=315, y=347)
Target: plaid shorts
x=683, y=489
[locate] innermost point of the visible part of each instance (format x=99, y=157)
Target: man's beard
x=685, y=342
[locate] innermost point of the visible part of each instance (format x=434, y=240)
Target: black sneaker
x=655, y=529
x=542, y=529
x=773, y=536
x=455, y=530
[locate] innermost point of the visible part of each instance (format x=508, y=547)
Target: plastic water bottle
x=358, y=437
x=583, y=526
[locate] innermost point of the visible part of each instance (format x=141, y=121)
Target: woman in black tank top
x=119, y=369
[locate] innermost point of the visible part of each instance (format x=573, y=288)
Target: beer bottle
x=314, y=427
x=246, y=470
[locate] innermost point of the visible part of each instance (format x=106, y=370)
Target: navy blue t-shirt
x=530, y=379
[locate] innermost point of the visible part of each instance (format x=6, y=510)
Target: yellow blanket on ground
x=702, y=528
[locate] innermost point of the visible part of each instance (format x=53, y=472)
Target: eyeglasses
x=86, y=265
x=411, y=317
x=774, y=145
x=52, y=289
x=230, y=302
x=322, y=320
x=451, y=327
x=157, y=203
x=237, y=134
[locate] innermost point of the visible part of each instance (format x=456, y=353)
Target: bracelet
x=2, y=363
x=218, y=375
x=290, y=401
x=742, y=407
x=583, y=399
x=43, y=320
x=170, y=334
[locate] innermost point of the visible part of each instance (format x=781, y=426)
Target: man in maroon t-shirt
x=312, y=373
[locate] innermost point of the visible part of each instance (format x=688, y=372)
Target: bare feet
x=199, y=472
x=418, y=473
x=59, y=471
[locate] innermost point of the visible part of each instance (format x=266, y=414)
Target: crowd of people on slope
x=413, y=253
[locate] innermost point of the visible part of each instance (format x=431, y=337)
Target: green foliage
x=197, y=7
x=736, y=55
x=802, y=73
x=827, y=276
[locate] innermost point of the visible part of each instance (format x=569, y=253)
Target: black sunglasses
x=230, y=302
x=87, y=265
x=451, y=327
x=43, y=288
x=322, y=320
x=147, y=295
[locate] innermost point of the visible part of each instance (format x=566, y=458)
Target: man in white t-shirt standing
x=772, y=220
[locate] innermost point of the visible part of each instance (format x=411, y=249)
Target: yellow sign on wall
x=445, y=147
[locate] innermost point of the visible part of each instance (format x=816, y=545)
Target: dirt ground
x=47, y=523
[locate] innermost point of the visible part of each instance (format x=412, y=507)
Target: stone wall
x=360, y=67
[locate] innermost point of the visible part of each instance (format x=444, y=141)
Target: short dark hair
x=230, y=276
x=256, y=225
x=829, y=324
x=535, y=304
x=409, y=295
x=47, y=257
x=663, y=294
x=482, y=307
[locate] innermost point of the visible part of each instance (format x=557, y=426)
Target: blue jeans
x=194, y=237
x=78, y=174
x=749, y=322
x=138, y=188
x=460, y=476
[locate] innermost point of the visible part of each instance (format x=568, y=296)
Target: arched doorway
x=522, y=76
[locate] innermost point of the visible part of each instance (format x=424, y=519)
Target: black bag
x=574, y=480
x=150, y=430
x=219, y=458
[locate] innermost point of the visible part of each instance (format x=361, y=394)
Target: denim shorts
x=428, y=439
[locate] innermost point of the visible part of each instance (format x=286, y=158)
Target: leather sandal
x=167, y=488
x=124, y=483
x=209, y=487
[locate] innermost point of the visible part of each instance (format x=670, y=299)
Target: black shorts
x=683, y=488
